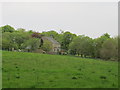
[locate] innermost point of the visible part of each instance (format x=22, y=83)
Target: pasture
x=33, y=70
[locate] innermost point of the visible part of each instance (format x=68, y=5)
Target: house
x=56, y=47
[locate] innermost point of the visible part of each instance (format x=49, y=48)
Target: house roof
x=51, y=40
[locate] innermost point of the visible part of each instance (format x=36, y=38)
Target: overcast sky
x=89, y=18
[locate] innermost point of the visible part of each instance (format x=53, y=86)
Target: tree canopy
x=103, y=47
x=7, y=28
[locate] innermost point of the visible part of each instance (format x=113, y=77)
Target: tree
x=98, y=44
x=87, y=46
x=15, y=39
x=118, y=54
x=20, y=37
x=7, y=28
x=72, y=48
x=67, y=38
x=47, y=46
x=21, y=30
x=81, y=45
x=0, y=38
x=30, y=31
x=8, y=42
x=31, y=44
x=52, y=34
x=109, y=49
x=36, y=35
x=5, y=44
x=106, y=35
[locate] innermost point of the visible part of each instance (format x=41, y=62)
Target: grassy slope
x=31, y=70
x=0, y=69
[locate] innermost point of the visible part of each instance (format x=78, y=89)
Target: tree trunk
x=81, y=55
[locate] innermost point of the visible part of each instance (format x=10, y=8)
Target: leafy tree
x=52, y=34
x=5, y=44
x=36, y=35
x=106, y=35
x=20, y=38
x=102, y=47
x=72, y=49
x=109, y=49
x=7, y=28
x=98, y=44
x=15, y=39
x=0, y=38
x=31, y=44
x=87, y=46
x=30, y=31
x=118, y=40
x=47, y=46
x=67, y=38
x=0, y=30
x=81, y=45
x=21, y=30
x=8, y=42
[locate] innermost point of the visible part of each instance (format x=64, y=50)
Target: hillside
x=33, y=70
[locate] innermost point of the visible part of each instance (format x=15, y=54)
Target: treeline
x=18, y=40
x=103, y=47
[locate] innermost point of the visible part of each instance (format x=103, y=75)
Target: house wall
x=56, y=48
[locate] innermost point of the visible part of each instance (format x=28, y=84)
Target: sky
x=92, y=19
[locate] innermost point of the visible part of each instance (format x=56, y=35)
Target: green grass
x=32, y=70
x=0, y=69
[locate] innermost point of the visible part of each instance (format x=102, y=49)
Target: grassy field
x=32, y=70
